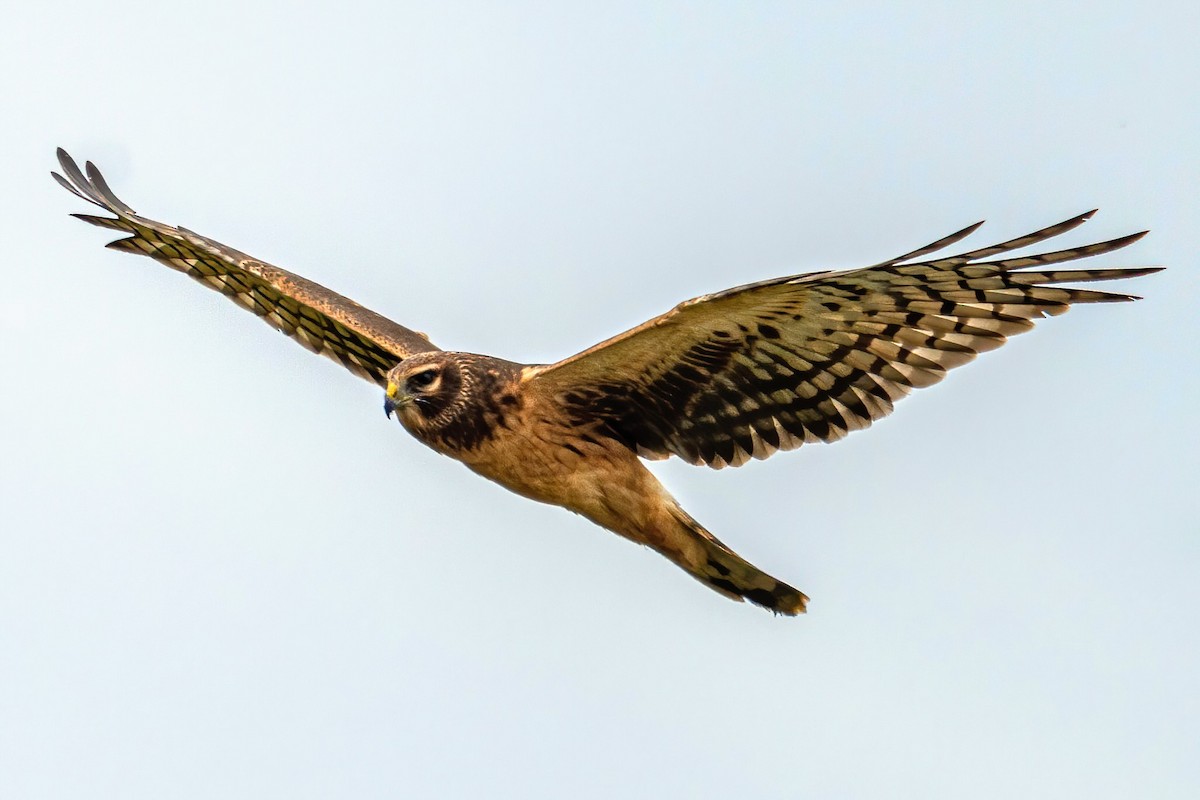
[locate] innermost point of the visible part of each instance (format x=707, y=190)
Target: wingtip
x=1138, y=272
x=1121, y=241
x=65, y=161
x=88, y=184
x=70, y=186
x=71, y=177
x=97, y=179
x=1073, y=222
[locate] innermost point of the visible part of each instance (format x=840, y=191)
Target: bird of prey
x=717, y=380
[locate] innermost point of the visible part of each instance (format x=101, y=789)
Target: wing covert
x=322, y=321
x=769, y=366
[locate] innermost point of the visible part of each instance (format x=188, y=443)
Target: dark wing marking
x=324, y=322
x=769, y=366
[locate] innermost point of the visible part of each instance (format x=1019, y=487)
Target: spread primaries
x=717, y=380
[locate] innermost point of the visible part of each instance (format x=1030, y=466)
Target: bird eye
x=422, y=379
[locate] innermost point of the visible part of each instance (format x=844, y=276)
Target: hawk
x=717, y=380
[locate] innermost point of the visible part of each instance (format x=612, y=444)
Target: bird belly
x=558, y=471
x=549, y=460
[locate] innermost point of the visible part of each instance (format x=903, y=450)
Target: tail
x=724, y=571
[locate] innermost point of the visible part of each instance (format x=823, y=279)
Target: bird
x=718, y=380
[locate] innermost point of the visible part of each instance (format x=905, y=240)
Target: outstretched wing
x=364, y=342
x=769, y=366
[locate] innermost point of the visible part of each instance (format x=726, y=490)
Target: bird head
x=422, y=387
x=451, y=401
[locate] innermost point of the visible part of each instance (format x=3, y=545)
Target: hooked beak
x=391, y=399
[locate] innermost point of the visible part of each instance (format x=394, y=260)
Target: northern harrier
x=717, y=380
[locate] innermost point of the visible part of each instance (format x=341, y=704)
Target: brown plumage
x=717, y=380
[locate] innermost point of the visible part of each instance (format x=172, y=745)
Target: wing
x=769, y=366
x=324, y=322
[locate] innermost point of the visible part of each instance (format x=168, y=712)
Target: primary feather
x=749, y=371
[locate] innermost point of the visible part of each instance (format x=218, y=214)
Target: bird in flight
x=717, y=380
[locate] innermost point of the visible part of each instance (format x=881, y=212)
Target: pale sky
x=223, y=573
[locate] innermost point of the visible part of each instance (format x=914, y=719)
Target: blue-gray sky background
x=224, y=574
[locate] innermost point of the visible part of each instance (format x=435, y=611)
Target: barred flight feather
x=318, y=319
x=749, y=371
